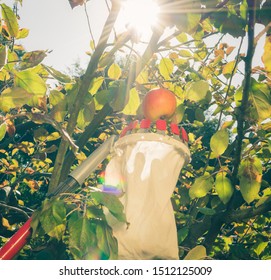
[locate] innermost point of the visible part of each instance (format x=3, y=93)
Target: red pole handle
x=16, y=242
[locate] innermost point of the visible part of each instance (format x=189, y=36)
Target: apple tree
x=204, y=52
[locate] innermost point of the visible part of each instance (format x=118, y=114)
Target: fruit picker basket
x=145, y=165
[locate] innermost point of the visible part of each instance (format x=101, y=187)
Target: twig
x=14, y=209
x=89, y=26
x=258, y=37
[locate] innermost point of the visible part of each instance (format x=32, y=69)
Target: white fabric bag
x=146, y=166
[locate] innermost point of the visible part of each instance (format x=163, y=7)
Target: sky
x=56, y=27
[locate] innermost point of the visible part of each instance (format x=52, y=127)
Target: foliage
x=222, y=200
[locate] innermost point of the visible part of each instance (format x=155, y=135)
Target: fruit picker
x=145, y=163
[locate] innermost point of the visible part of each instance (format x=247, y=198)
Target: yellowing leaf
x=166, y=67
x=143, y=77
x=250, y=175
x=229, y=69
x=201, y=186
x=114, y=71
x=223, y=187
x=23, y=33
x=219, y=142
x=31, y=59
x=185, y=53
x=95, y=85
x=133, y=103
x=10, y=20
x=182, y=37
x=266, y=57
x=229, y=50
x=3, y=129
x=5, y=223
x=13, y=98
x=3, y=56
x=197, y=253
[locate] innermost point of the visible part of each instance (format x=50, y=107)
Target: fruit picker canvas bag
x=146, y=167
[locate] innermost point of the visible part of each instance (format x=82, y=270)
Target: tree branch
x=83, y=90
x=83, y=139
x=220, y=218
x=240, y=215
x=247, y=82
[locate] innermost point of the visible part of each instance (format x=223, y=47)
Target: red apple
x=159, y=103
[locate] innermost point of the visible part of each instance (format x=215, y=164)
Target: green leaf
x=11, y=20
x=53, y=218
x=133, y=103
x=81, y=236
x=201, y=186
x=250, y=176
x=31, y=82
x=86, y=115
x=193, y=20
x=259, y=247
x=3, y=129
x=223, y=187
x=57, y=74
x=199, y=115
x=101, y=98
x=114, y=71
x=166, y=67
x=112, y=203
x=197, y=91
x=120, y=96
x=182, y=234
x=179, y=113
x=55, y=97
x=189, y=22
x=106, y=242
x=58, y=101
x=206, y=211
x=197, y=253
x=238, y=96
x=266, y=57
x=219, y=142
x=243, y=10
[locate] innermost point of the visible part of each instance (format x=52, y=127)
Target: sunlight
x=140, y=15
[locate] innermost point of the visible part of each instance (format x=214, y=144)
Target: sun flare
x=140, y=15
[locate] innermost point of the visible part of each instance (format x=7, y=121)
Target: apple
x=159, y=102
